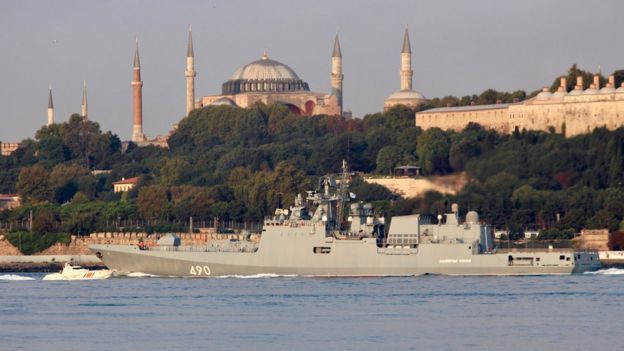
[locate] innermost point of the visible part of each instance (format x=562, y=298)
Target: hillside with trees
x=238, y=165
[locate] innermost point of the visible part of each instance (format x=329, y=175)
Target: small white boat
x=70, y=272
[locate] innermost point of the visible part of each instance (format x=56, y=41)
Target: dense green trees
x=240, y=164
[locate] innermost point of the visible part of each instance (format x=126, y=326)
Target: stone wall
x=415, y=187
x=79, y=245
x=571, y=115
x=320, y=103
x=489, y=116
x=594, y=239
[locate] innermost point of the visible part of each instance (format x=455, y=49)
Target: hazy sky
x=459, y=48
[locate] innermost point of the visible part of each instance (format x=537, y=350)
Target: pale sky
x=459, y=47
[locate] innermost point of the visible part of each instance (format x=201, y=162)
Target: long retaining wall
x=77, y=251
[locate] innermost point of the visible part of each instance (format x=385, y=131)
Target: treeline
x=240, y=164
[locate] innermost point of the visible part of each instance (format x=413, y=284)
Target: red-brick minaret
x=137, y=98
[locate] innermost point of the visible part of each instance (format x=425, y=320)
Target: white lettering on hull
x=454, y=260
x=199, y=270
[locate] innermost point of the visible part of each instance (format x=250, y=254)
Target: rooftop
x=133, y=180
x=467, y=108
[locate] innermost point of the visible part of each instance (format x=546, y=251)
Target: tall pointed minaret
x=406, y=63
x=50, y=108
x=84, y=107
x=137, y=98
x=336, y=73
x=190, y=74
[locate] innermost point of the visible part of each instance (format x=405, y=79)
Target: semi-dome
x=223, y=101
x=264, y=75
x=590, y=91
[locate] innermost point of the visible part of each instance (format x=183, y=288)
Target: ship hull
x=372, y=262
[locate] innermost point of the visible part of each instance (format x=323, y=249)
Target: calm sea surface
x=581, y=312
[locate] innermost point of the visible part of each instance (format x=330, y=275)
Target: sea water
x=578, y=312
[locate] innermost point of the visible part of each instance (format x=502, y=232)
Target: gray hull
x=290, y=251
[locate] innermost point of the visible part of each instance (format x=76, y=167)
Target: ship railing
x=207, y=248
x=537, y=249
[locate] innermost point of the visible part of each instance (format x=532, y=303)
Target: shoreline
x=46, y=263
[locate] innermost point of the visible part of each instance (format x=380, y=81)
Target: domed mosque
x=406, y=96
x=272, y=82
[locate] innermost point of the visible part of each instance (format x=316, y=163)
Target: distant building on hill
x=124, y=184
x=6, y=149
x=10, y=201
x=272, y=82
x=567, y=112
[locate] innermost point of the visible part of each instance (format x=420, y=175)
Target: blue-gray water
x=581, y=312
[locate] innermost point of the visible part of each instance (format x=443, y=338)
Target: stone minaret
x=137, y=98
x=190, y=75
x=84, y=107
x=406, y=63
x=336, y=73
x=50, y=108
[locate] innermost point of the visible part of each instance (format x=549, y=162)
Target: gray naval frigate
x=340, y=240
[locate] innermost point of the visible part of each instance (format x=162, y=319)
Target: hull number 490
x=199, y=270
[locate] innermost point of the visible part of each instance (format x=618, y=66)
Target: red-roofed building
x=125, y=184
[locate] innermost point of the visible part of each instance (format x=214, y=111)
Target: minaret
x=406, y=63
x=336, y=73
x=190, y=74
x=84, y=108
x=50, y=108
x=137, y=98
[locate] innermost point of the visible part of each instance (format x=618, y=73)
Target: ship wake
x=258, y=276
x=609, y=271
x=15, y=277
x=136, y=275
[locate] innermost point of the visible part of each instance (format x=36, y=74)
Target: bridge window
x=321, y=250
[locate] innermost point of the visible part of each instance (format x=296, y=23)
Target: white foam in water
x=15, y=277
x=138, y=275
x=609, y=271
x=256, y=276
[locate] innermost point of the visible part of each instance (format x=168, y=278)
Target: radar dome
x=472, y=217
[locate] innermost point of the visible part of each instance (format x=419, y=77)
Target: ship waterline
x=295, y=251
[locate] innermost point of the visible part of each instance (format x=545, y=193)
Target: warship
x=328, y=233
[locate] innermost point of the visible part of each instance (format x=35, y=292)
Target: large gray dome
x=264, y=76
x=265, y=68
